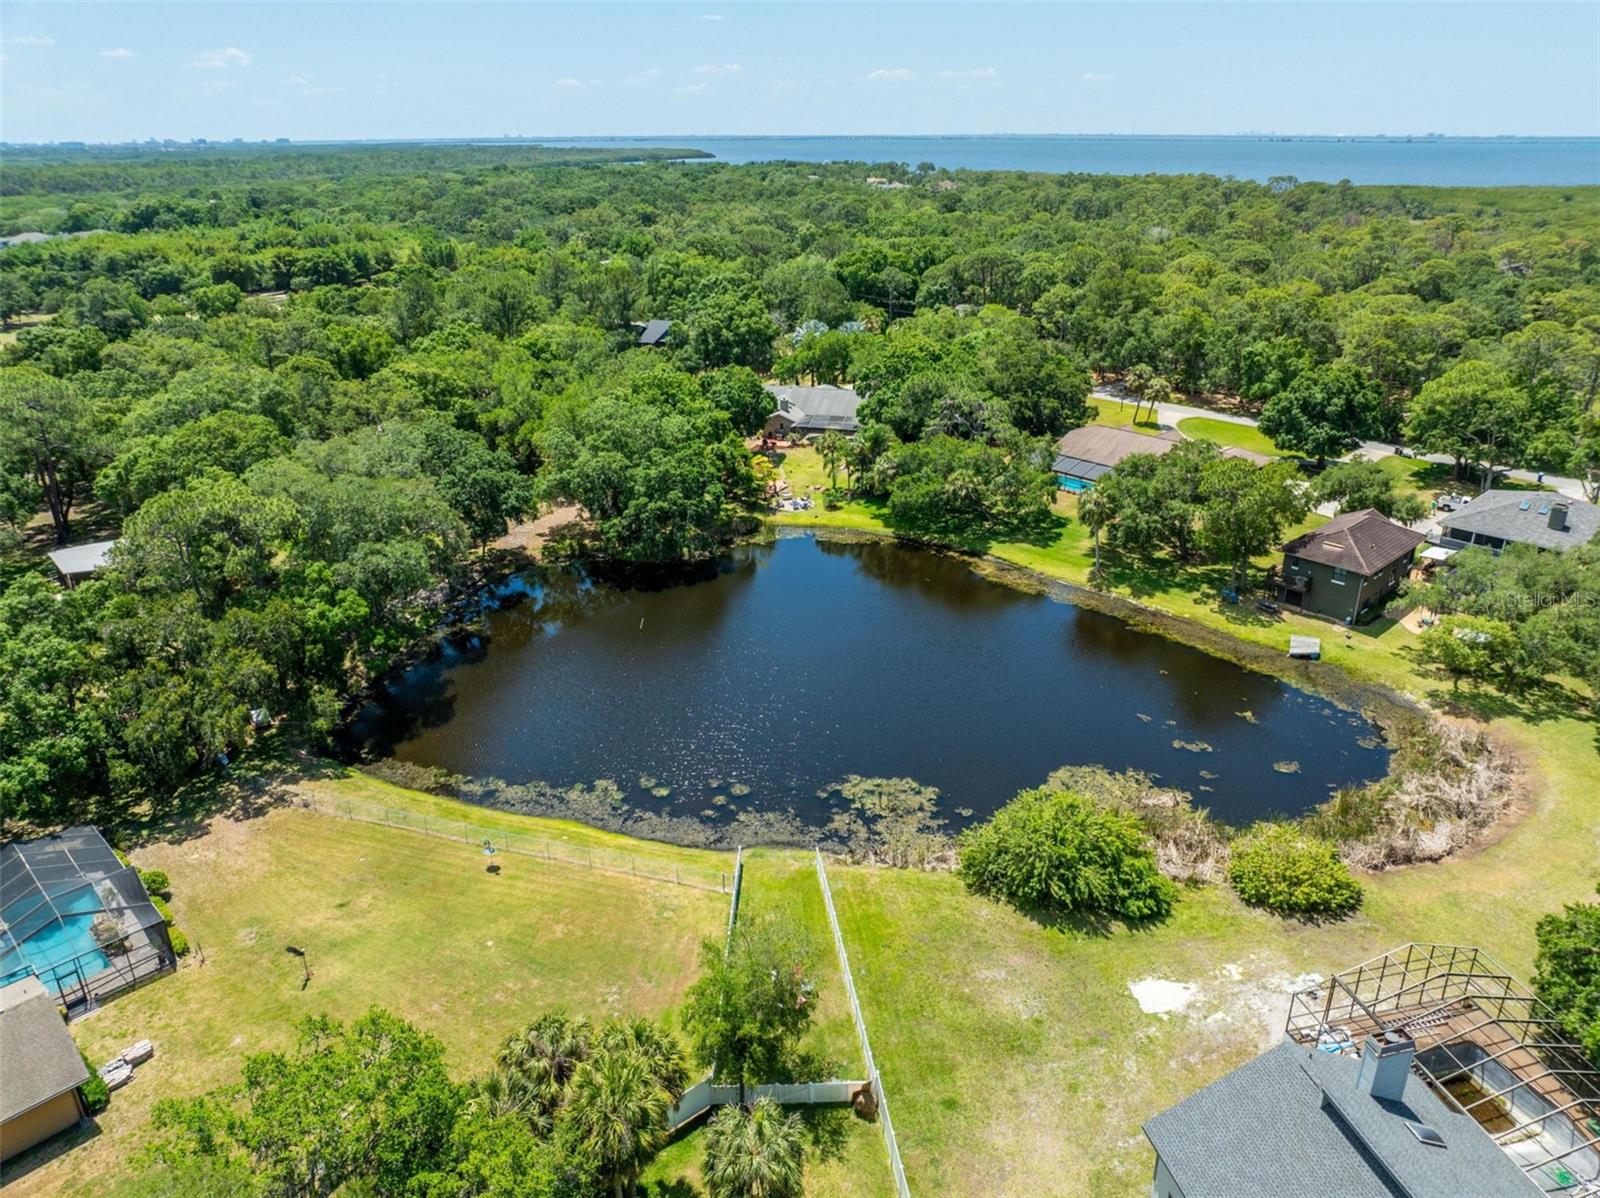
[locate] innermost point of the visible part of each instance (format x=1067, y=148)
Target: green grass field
x=1119, y=414
x=1223, y=432
x=388, y=917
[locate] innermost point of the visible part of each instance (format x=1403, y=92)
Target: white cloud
x=569, y=84
x=30, y=40
x=647, y=76
x=712, y=16
x=216, y=60
x=694, y=89
x=119, y=52
x=1098, y=77
x=891, y=75
x=785, y=85
x=971, y=74
x=711, y=68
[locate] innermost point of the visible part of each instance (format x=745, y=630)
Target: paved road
x=1170, y=413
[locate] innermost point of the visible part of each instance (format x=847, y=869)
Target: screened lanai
x=77, y=918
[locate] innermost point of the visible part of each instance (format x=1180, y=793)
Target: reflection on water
x=785, y=667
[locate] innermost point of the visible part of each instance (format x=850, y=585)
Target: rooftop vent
x=1558, y=517
x=1524, y=505
x=1426, y=1134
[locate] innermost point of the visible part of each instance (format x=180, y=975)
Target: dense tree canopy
x=307, y=388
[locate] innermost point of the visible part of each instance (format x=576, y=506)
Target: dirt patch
x=1157, y=996
x=530, y=536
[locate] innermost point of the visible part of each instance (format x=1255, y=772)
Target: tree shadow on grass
x=1537, y=703
x=253, y=785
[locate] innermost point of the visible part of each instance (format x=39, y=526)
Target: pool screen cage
x=1485, y=1044
x=77, y=918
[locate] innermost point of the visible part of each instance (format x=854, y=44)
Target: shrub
x=1279, y=867
x=1057, y=850
x=155, y=881
x=160, y=904
x=180, y=942
x=95, y=1093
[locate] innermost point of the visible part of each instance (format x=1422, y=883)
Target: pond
x=791, y=665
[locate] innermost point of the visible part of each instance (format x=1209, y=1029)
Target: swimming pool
x=62, y=950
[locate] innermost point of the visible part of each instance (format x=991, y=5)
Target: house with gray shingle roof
x=1298, y=1120
x=1542, y=518
x=802, y=411
x=40, y=1069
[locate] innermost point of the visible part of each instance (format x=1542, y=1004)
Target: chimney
x=1385, y=1061
x=1558, y=517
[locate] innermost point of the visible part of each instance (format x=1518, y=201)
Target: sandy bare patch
x=1157, y=996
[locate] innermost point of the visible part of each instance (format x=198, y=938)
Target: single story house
x=1086, y=453
x=802, y=411
x=1352, y=563
x=76, y=562
x=1300, y=1120
x=655, y=333
x=41, y=1067
x=1543, y=518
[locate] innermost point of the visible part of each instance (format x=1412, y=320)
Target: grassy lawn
x=389, y=917
x=1222, y=432
x=1018, y=1060
x=853, y=1162
x=1119, y=414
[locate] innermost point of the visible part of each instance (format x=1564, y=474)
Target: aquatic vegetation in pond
x=787, y=666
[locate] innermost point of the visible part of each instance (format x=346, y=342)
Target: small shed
x=77, y=562
x=41, y=1066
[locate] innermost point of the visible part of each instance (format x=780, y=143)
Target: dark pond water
x=795, y=664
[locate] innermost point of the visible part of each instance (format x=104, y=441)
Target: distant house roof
x=817, y=408
x=655, y=332
x=38, y=1058
x=1298, y=1121
x=1364, y=541
x=1524, y=517
x=1092, y=450
x=77, y=560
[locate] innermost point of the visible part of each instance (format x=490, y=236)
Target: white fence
x=873, y=1075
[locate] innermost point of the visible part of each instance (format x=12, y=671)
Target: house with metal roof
x=40, y=1069
x=1541, y=518
x=803, y=411
x=1349, y=567
x=76, y=562
x=655, y=333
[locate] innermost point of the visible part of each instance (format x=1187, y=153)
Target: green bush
x=180, y=942
x=155, y=881
x=95, y=1093
x=160, y=904
x=1568, y=971
x=1279, y=867
x=1056, y=850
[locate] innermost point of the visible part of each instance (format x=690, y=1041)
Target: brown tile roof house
x=1086, y=453
x=1351, y=563
x=40, y=1067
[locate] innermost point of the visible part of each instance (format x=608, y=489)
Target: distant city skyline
x=129, y=72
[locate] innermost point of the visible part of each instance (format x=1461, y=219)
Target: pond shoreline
x=605, y=805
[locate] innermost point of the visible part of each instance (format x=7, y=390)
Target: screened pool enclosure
x=77, y=918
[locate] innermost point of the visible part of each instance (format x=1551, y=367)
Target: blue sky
x=365, y=70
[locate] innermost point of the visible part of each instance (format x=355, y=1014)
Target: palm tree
x=1095, y=510
x=659, y=1050
x=538, y=1062
x=831, y=447
x=755, y=1153
x=618, y=1113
